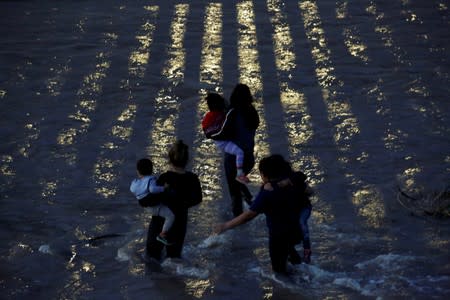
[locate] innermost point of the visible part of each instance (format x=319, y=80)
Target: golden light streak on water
x=250, y=72
x=339, y=110
x=408, y=179
x=197, y=288
x=174, y=69
x=296, y=115
x=351, y=37
x=88, y=94
x=32, y=130
x=48, y=190
x=368, y=201
x=211, y=63
x=76, y=287
x=293, y=101
x=411, y=17
x=55, y=82
x=33, y=133
x=207, y=161
x=87, y=267
x=122, y=129
x=443, y=6
x=166, y=102
x=297, y=118
x=54, y=85
x=282, y=38
x=354, y=45
x=7, y=172
x=392, y=138
x=341, y=9
x=415, y=87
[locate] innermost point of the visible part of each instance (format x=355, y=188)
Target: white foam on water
x=428, y=284
x=213, y=241
x=288, y=282
x=314, y=273
x=354, y=285
x=387, y=262
x=123, y=254
x=183, y=268
x=45, y=249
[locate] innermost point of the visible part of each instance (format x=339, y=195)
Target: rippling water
x=354, y=93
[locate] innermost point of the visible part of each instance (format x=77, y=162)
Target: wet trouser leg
x=279, y=248
x=235, y=188
x=176, y=235
x=153, y=247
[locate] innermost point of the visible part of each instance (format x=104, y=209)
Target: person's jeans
x=305, y=213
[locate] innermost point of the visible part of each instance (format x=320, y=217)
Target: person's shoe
x=163, y=240
x=242, y=179
x=307, y=255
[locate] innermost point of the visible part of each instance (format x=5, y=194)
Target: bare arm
x=239, y=220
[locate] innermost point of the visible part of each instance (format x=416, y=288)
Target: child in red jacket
x=212, y=125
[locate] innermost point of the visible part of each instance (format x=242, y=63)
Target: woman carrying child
x=240, y=128
x=184, y=192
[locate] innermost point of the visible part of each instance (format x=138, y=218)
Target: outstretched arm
x=239, y=220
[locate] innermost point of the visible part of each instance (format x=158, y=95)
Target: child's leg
x=232, y=148
x=304, y=216
x=168, y=216
x=166, y=213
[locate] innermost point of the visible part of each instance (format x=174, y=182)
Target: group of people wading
x=283, y=196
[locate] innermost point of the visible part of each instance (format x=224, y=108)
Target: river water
x=354, y=93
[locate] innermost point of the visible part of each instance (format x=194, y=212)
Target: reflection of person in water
x=281, y=208
x=240, y=127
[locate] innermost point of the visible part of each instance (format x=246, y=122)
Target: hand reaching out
x=219, y=228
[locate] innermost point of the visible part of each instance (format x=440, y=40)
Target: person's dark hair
x=241, y=99
x=274, y=167
x=144, y=166
x=241, y=96
x=215, y=102
x=179, y=154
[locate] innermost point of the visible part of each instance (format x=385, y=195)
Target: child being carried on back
x=145, y=185
x=212, y=125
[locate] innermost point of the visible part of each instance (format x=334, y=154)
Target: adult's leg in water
x=153, y=247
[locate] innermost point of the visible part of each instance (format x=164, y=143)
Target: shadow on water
x=115, y=89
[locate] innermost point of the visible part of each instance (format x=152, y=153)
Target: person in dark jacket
x=240, y=128
x=304, y=192
x=184, y=192
x=281, y=208
x=212, y=125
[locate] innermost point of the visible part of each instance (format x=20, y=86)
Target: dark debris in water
x=434, y=204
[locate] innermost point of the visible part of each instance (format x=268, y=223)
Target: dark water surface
x=354, y=93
